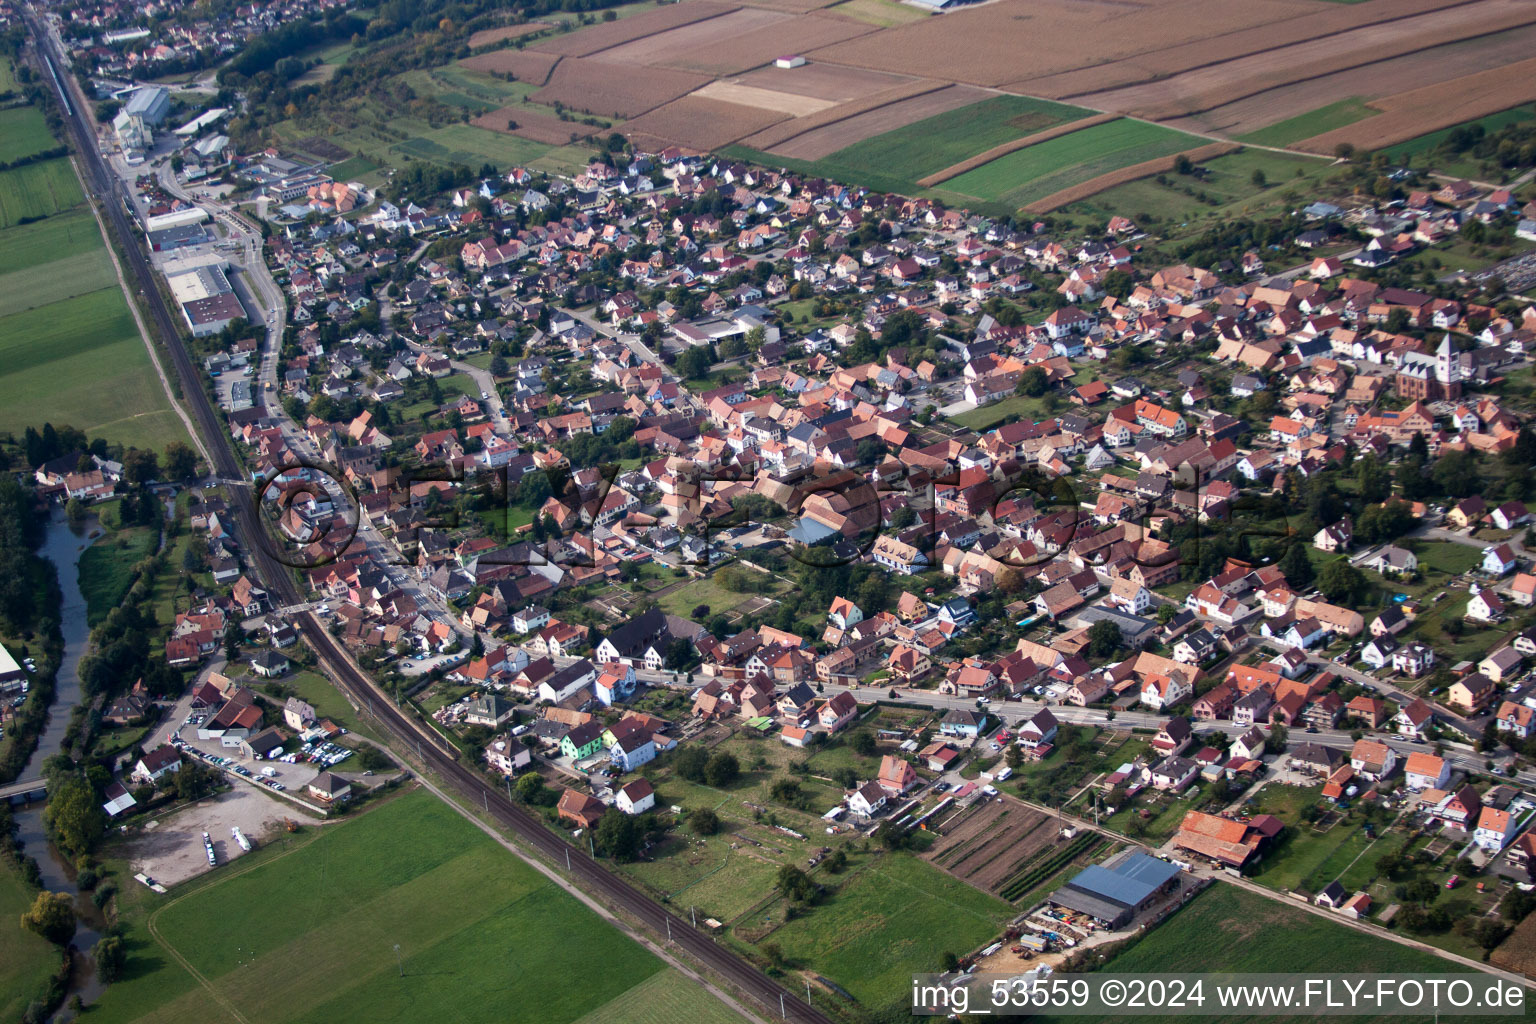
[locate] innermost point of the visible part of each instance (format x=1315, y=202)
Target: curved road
x=593, y=876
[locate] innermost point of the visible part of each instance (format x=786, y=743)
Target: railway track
x=593, y=877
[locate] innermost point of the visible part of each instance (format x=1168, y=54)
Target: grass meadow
x=25, y=132
x=1313, y=122
x=897, y=916
x=1037, y=171
x=309, y=933
x=37, y=190
x=29, y=960
x=106, y=569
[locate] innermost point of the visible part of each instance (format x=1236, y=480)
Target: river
x=63, y=546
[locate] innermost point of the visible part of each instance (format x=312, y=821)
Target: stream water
x=64, y=544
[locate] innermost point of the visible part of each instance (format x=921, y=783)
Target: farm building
x=1113, y=892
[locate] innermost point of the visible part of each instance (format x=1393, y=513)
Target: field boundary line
x=987, y=156
x=846, y=111
x=1171, y=111
x=1250, y=53
x=138, y=318
x=1145, y=169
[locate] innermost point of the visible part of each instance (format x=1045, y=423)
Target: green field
x=106, y=569
x=666, y=997
x=1313, y=122
x=23, y=133
x=1033, y=173
x=988, y=416
x=1229, y=929
x=46, y=283
x=895, y=160
x=38, y=190
x=28, y=961
x=310, y=932
x=899, y=916
x=1228, y=188
x=1424, y=144
x=55, y=238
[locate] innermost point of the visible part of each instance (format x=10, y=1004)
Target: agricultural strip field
x=492, y=36
x=955, y=170
x=884, y=13
x=1428, y=143
x=1216, y=84
x=25, y=132
x=614, y=90
x=787, y=130
x=823, y=81
x=897, y=916
x=477, y=930
x=1227, y=929
x=1416, y=112
x=1293, y=129
x=37, y=190
x=1518, y=952
x=734, y=42
x=595, y=38
x=666, y=997
x=1029, y=174
x=1146, y=169
x=823, y=142
x=538, y=127
x=787, y=103
x=1175, y=52
x=986, y=845
x=1428, y=66
x=523, y=65
x=700, y=123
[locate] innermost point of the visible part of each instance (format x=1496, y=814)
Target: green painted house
x=583, y=741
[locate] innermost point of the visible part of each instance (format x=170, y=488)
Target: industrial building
x=1114, y=892
x=208, y=302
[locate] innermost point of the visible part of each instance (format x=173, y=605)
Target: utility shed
x=1113, y=892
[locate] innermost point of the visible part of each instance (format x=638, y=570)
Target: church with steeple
x=1425, y=378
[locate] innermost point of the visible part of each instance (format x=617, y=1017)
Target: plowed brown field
x=953, y=170
x=601, y=36
x=1212, y=86
x=1407, y=115
x=736, y=42
x=1384, y=78
x=984, y=848
x=523, y=65
x=1518, y=952
x=824, y=81
x=787, y=103
x=614, y=90
x=997, y=42
x=820, y=142
x=785, y=130
x=538, y=127
x=1201, y=48
x=697, y=122
x=1145, y=169
x=485, y=37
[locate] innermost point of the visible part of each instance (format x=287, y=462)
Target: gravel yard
x=170, y=850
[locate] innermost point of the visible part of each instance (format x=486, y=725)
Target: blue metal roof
x=1127, y=883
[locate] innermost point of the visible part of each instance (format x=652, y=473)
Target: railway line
x=775, y=1000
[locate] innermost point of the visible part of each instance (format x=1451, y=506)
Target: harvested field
x=492, y=36
x=884, y=13
x=791, y=6
x=1384, y=78
x=523, y=65
x=697, y=122
x=820, y=142
x=736, y=42
x=539, y=127
x=607, y=34
x=1416, y=112
x=1518, y=952
x=764, y=99
x=980, y=45
x=323, y=148
x=1218, y=84
x=786, y=130
x=614, y=90
x=986, y=845
x=1199, y=49
x=1056, y=200
x=824, y=81
x=954, y=170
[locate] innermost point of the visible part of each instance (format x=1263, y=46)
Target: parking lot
x=171, y=850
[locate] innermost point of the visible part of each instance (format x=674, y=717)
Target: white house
x=508, y=756
x=157, y=764
x=868, y=800
x=632, y=751
x=635, y=797
x=1426, y=771
x=1494, y=829
x=1040, y=729
x=1498, y=560
x=1164, y=691
x=1413, y=659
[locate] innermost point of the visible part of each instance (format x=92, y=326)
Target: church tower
x=1447, y=370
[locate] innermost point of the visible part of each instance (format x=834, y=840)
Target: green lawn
x=1227, y=929
x=1446, y=556
x=321, y=694
x=1037, y=171
x=310, y=934
x=38, y=190
x=988, y=416
x=23, y=133
x=666, y=997
x=106, y=569
x=29, y=961
x=898, y=916
x=707, y=591
x=1313, y=122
